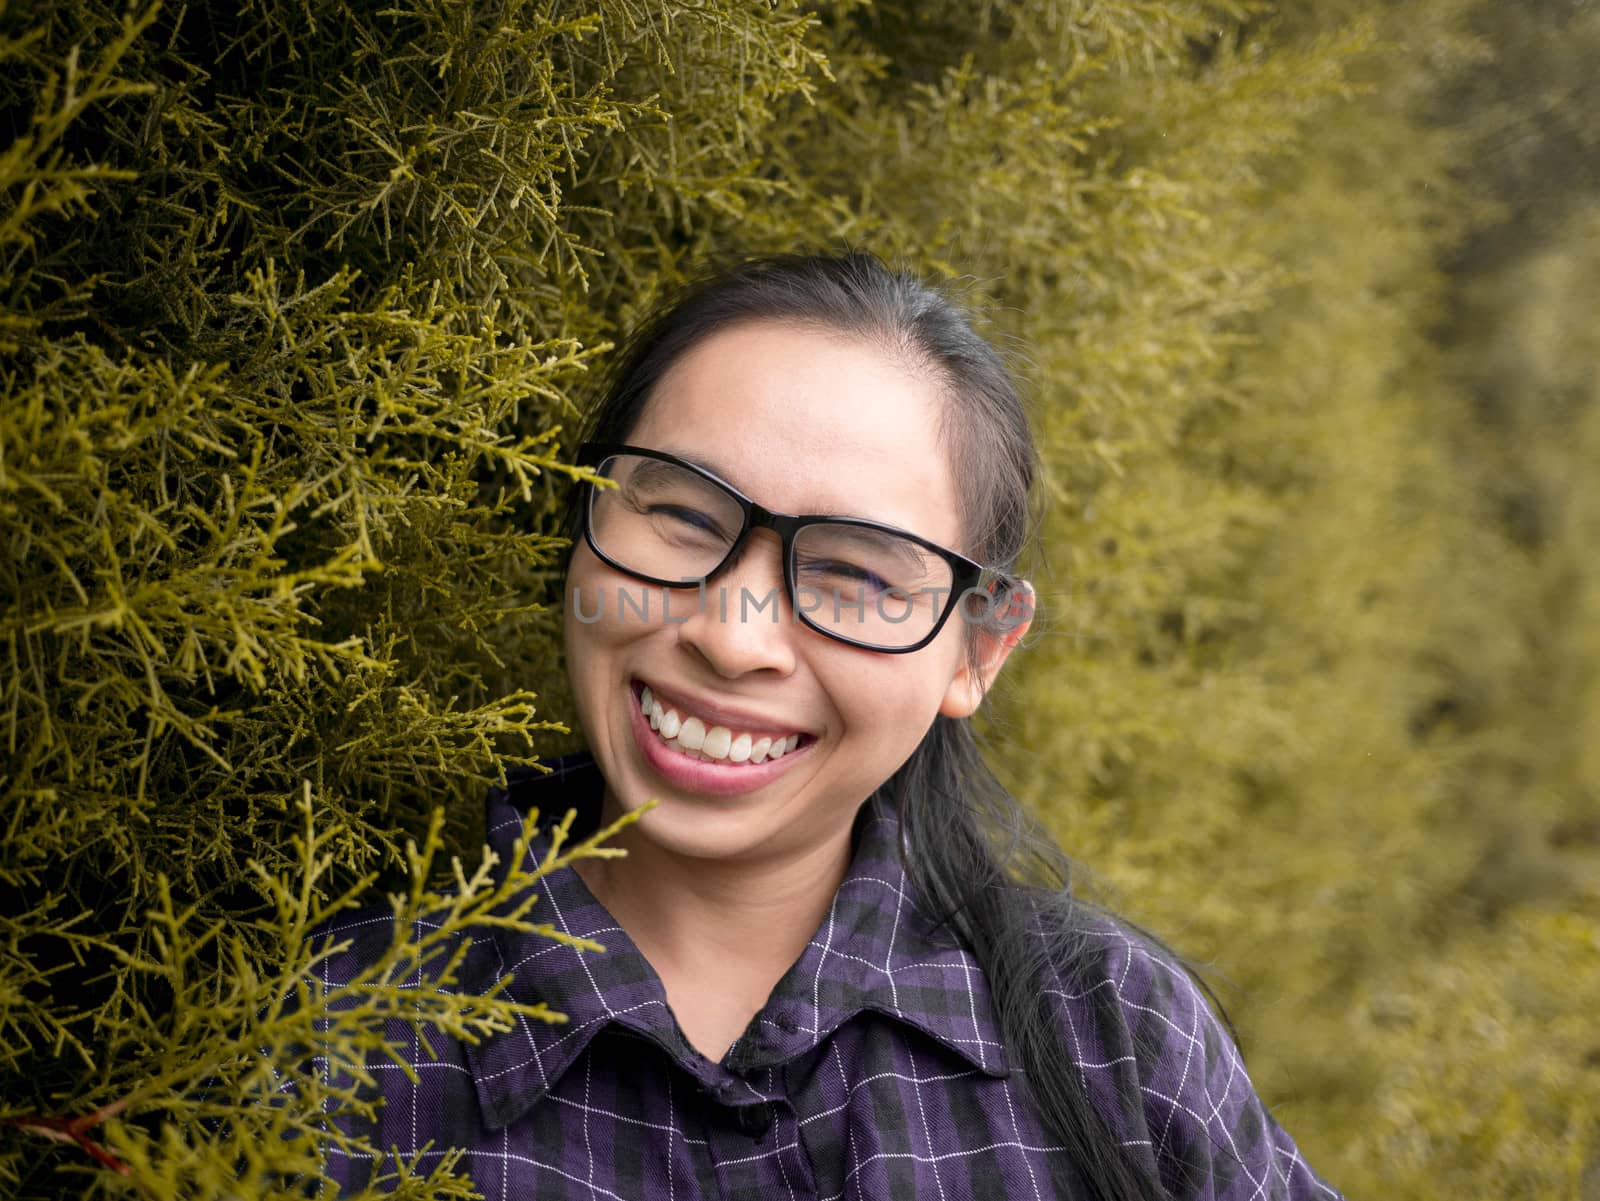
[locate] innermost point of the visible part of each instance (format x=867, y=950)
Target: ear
x=1001, y=632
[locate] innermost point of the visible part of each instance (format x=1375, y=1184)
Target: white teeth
x=690, y=736
x=692, y=733
x=718, y=740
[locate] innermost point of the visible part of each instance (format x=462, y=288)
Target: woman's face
x=800, y=421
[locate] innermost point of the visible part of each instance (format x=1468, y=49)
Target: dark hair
x=983, y=866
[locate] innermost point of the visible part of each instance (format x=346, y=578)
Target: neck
x=687, y=910
x=719, y=934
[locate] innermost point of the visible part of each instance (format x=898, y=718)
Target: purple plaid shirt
x=875, y=1070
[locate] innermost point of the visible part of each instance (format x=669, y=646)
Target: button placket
x=753, y=1120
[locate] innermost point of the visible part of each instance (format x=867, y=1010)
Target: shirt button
x=753, y=1120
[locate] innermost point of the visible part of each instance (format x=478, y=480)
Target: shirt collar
x=875, y=951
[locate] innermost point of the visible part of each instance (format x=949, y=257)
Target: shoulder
x=352, y=944
x=358, y=960
x=1166, y=1072
x=355, y=944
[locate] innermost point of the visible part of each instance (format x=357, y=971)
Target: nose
x=742, y=623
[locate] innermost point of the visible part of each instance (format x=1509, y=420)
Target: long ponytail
x=983, y=867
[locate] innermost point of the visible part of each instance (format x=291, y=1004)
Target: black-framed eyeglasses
x=672, y=523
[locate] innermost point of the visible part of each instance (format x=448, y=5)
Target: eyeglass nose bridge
x=784, y=525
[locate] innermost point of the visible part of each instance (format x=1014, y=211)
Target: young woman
x=839, y=962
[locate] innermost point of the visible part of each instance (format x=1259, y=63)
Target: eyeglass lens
x=671, y=524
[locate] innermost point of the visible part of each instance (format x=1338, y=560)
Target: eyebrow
x=706, y=464
x=648, y=471
x=700, y=461
x=907, y=553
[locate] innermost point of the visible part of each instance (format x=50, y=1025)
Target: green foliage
x=294, y=309
x=242, y=1011
x=297, y=301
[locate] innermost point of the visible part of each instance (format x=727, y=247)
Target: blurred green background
x=298, y=299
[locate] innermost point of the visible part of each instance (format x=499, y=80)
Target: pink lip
x=700, y=775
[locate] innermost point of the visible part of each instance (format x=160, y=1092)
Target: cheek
x=588, y=626
x=893, y=701
x=580, y=618
x=591, y=601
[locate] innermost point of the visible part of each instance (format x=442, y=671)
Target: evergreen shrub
x=299, y=303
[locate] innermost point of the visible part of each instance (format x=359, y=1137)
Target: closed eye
x=839, y=569
x=695, y=519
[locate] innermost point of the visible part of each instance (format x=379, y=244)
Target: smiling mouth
x=695, y=738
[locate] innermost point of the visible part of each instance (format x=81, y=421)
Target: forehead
x=810, y=421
